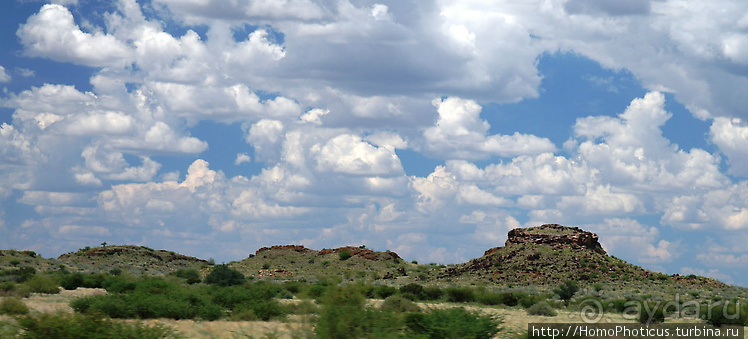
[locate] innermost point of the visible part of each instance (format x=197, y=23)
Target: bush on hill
x=223, y=275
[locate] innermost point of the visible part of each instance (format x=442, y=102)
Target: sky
x=427, y=127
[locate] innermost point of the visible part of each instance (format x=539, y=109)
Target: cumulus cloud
x=4, y=77
x=349, y=154
x=630, y=149
x=242, y=158
x=731, y=136
x=52, y=33
x=632, y=239
x=459, y=133
x=724, y=208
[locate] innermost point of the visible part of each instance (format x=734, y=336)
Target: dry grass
x=48, y=303
x=223, y=329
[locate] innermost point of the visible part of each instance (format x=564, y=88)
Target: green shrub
x=119, y=284
x=191, y=276
x=294, y=287
x=223, y=275
x=383, y=292
x=460, y=294
x=163, y=306
x=18, y=275
x=344, y=255
x=451, y=323
x=528, y=300
x=343, y=315
x=267, y=309
x=61, y=325
x=398, y=303
x=432, y=293
x=42, y=284
x=412, y=291
x=75, y=280
x=542, y=308
x=315, y=291
x=512, y=298
x=210, y=312
x=112, y=306
x=651, y=313
x=257, y=298
x=7, y=288
x=725, y=313
x=13, y=306
x=72, y=281
x=567, y=290
x=490, y=298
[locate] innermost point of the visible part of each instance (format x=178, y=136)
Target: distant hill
x=133, y=259
x=299, y=262
x=552, y=253
x=542, y=255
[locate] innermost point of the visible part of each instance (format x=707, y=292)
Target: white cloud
x=93, y=123
x=387, y=140
x=242, y=158
x=4, y=77
x=266, y=136
x=52, y=33
x=313, y=116
x=25, y=72
x=731, y=136
x=630, y=149
x=628, y=238
x=725, y=208
x=139, y=173
x=88, y=179
x=459, y=133
x=349, y=154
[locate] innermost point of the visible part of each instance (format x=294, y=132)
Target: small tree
x=651, y=313
x=192, y=276
x=103, y=244
x=344, y=255
x=223, y=275
x=567, y=290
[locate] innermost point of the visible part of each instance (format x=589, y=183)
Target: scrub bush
x=61, y=325
x=542, y=308
x=223, y=275
x=460, y=294
x=451, y=323
x=13, y=306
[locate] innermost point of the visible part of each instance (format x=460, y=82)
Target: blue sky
x=430, y=128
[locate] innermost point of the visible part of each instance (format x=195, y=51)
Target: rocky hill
x=542, y=255
x=133, y=259
x=298, y=262
x=552, y=253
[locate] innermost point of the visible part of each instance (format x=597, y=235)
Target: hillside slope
x=551, y=253
x=133, y=259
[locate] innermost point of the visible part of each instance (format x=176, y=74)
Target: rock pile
x=553, y=235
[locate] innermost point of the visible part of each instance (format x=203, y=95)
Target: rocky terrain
x=552, y=253
x=543, y=255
